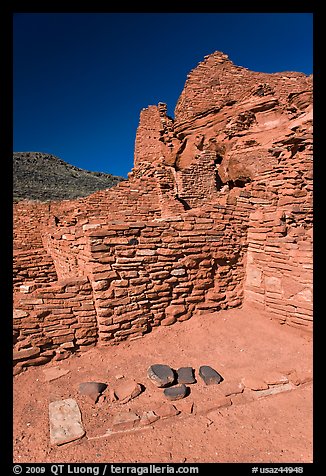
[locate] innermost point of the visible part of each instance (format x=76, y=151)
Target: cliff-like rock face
x=230, y=125
x=216, y=213
x=44, y=177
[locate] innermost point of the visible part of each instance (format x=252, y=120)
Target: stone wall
x=279, y=266
x=217, y=212
x=53, y=321
x=137, y=276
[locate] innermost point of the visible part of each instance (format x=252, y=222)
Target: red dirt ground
x=237, y=343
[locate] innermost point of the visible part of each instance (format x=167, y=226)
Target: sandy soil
x=237, y=343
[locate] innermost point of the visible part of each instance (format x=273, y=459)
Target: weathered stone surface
x=275, y=378
x=231, y=388
x=65, y=421
x=209, y=375
x=161, y=375
x=274, y=390
x=92, y=389
x=147, y=418
x=125, y=390
x=53, y=373
x=125, y=421
x=217, y=211
x=26, y=353
x=186, y=375
x=185, y=406
x=254, y=383
x=166, y=410
x=176, y=392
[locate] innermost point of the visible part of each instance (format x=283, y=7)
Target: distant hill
x=44, y=177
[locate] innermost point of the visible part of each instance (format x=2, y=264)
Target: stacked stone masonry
x=217, y=211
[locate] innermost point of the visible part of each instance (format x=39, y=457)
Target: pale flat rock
x=276, y=378
x=231, y=388
x=254, y=383
x=147, y=418
x=185, y=406
x=276, y=389
x=125, y=421
x=166, y=410
x=52, y=373
x=65, y=421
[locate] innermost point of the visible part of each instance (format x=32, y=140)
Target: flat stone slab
x=276, y=378
x=285, y=387
x=147, y=418
x=125, y=421
x=176, y=392
x=53, y=373
x=209, y=375
x=161, y=375
x=186, y=375
x=92, y=389
x=125, y=390
x=254, y=383
x=65, y=421
x=232, y=388
x=166, y=410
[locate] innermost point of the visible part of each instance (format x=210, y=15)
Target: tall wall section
x=216, y=212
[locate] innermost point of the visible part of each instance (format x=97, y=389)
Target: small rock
x=166, y=410
x=126, y=390
x=168, y=321
x=186, y=375
x=125, y=421
x=185, y=406
x=177, y=392
x=65, y=421
x=274, y=390
x=161, y=375
x=147, y=418
x=275, y=378
x=53, y=373
x=254, y=383
x=232, y=388
x=209, y=375
x=92, y=389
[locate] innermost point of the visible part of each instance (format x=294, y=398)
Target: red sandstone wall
x=217, y=209
x=51, y=322
x=142, y=274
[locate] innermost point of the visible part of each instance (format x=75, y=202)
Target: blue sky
x=81, y=79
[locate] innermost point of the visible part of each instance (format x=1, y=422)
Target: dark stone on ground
x=186, y=375
x=209, y=375
x=161, y=375
x=177, y=392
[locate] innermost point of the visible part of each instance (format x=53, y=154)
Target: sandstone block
x=147, y=418
x=168, y=321
x=65, y=421
x=254, y=383
x=166, y=410
x=26, y=353
x=125, y=421
x=126, y=390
